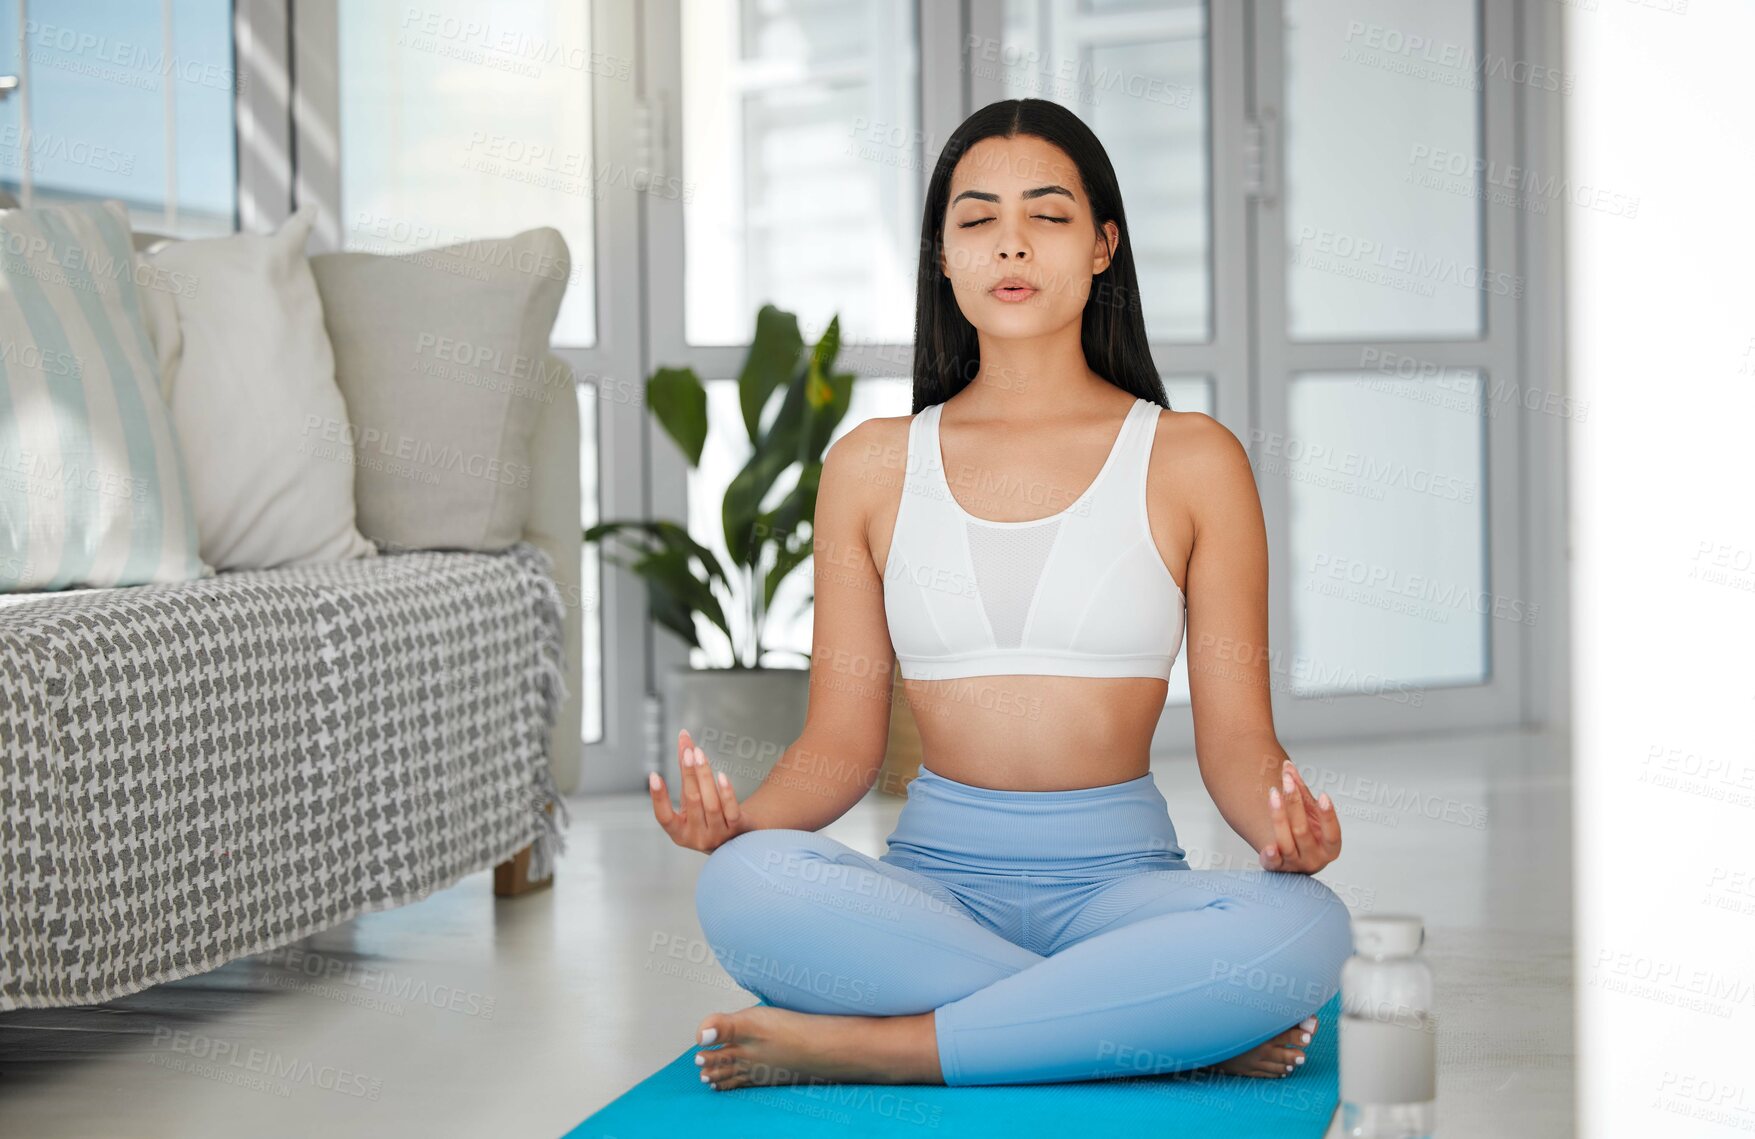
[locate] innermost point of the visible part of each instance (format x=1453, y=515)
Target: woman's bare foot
x=1275, y=1059
x=767, y=1045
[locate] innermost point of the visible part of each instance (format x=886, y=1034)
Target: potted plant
x=745, y=715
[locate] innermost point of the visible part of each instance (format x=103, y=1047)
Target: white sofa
x=197, y=771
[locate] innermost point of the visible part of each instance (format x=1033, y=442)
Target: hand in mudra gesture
x=1307, y=830
x=709, y=814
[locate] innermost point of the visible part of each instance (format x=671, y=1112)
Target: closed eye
x=1044, y=217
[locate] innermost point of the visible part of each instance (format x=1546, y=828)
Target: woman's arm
x=833, y=762
x=1241, y=761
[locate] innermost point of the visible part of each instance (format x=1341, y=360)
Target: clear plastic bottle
x=1389, y=1054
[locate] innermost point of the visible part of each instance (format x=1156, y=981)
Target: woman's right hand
x=710, y=814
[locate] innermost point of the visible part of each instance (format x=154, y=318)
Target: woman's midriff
x=1037, y=733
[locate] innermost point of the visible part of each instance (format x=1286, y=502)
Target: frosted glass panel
x=1140, y=81
x=1388, y=569
x=801, y=160
x=458, y=124
x=1382, y=132
x=1189, y=393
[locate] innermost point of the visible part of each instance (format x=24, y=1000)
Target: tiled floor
x=460, y=1016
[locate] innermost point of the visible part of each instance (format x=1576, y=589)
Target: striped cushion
x=92, y=485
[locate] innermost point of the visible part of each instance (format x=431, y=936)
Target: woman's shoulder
x=1194, y=443
x=872, y=454
x=868, y=440
x=1193, y=429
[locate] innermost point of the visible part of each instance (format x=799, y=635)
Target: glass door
x=1388, y=301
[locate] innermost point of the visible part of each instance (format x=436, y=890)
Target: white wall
x=1661, y=346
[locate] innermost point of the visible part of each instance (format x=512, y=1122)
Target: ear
x=1104, y=250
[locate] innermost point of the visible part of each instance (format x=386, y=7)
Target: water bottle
x=1389, y=1055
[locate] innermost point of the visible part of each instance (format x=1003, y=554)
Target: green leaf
x=679, y=401
x=662, y=535
x=787, y=560
x=771, y=363
x=813, y=405
x=672, y=612
x=799, y=505
x=822, y=357
x=675, y=592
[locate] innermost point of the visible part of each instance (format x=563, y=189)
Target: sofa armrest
x=555, y=526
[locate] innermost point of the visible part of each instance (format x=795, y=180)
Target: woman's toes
x=1295, y=1037
x=715, y=1029
x=715, y=1062
x=719, y=1071
x=1286, y=1060
x=730, y=1074
x=1272, y=1061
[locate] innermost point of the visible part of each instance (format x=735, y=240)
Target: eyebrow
x=982, y=195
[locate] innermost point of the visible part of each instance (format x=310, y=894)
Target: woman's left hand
x=1307, y=830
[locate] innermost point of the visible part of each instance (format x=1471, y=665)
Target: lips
x=1014, y=289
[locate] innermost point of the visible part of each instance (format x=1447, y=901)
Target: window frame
x=1280, y=359
x=1250, y=377
x=640, y=237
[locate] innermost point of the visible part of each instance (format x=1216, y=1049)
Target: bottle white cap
x=1388, y=935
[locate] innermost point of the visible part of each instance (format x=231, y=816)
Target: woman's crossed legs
x=1148, y=972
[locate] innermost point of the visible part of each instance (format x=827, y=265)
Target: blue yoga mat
x=674, y=1103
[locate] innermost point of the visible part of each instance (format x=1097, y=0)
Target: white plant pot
x=743, y=718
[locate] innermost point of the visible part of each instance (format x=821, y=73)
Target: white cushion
x=92, y=485
x=160, y=306
x=253, y=397
x=443, y=358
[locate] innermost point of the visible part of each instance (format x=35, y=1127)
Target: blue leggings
x=1055, y=935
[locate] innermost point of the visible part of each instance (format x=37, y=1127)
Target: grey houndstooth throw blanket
x=197, y=771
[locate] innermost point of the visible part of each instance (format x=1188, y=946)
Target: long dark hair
x=947, y=352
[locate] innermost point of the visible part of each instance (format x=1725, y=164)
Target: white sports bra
x=1080, y=593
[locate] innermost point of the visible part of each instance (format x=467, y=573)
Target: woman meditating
x=1022, y=546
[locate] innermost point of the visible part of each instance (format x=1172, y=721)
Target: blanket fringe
x=551, y=685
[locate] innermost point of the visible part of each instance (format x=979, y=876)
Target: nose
x=1010, y=240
